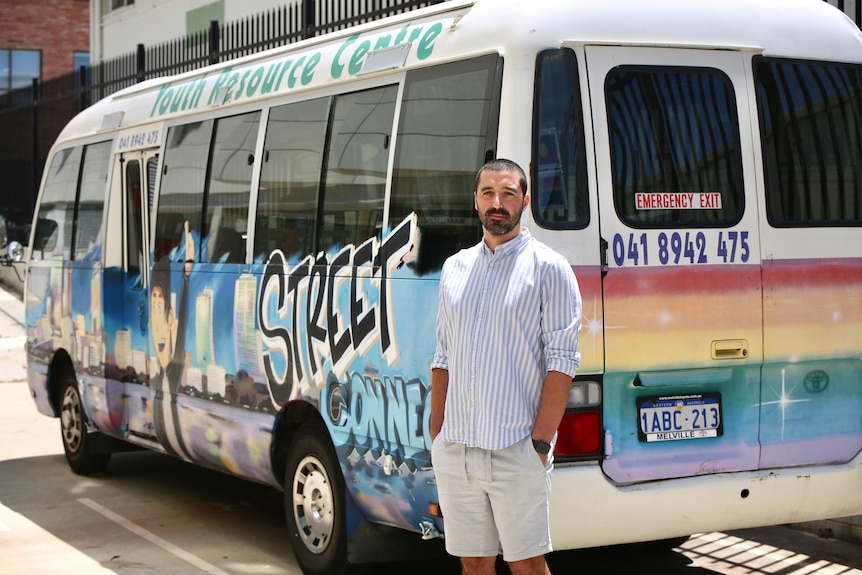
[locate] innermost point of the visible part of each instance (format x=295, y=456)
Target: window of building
x=110, y=5
x=674, y=130
x=18, y=69
x=810, y=115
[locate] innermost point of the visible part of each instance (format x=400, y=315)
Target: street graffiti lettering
x=306, y=317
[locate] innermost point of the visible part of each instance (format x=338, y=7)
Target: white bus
x=238, y=265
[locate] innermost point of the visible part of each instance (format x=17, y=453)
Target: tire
x=314, y=503
x=77, y=441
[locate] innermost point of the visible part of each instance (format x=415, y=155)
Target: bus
x=238, y=266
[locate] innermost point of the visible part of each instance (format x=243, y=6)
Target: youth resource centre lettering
x=330, y=307
x=298, y=69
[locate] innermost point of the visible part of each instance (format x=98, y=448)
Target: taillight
x=580, y=432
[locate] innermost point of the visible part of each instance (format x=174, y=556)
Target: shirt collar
x=512, y=246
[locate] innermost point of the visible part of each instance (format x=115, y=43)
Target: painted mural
x=199, y=365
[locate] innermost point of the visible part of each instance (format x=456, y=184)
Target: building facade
x=42, y=39
x=39, y=40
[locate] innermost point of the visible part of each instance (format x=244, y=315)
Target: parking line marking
x=153, y=538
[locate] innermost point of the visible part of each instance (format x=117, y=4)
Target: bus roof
x=804, y=29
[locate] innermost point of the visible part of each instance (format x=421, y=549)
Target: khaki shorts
x=493, y=501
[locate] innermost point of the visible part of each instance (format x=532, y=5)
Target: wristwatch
x=542, y=447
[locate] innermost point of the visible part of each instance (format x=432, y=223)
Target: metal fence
x=33, y=118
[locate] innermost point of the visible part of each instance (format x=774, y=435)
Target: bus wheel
x=73, y=427
x=314, y=503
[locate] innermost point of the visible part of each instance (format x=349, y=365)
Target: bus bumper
x=588, y=510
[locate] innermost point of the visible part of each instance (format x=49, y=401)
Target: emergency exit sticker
x=678, y=201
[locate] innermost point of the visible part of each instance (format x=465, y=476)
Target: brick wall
x=56, y=27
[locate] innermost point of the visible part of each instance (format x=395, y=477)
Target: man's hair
x=502, y=165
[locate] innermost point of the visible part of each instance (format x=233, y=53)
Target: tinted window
x=357, y=160
x=91, y=202
x=182, y=187
x=53, y=235
x=810, y=129
x=290, y=178
x=229, y=188
x=445, y=131
x=675, y=154
x=72, y=203
x=134, y=219
x=560, y=197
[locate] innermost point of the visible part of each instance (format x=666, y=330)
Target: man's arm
x=439, y=389
x=555, y=396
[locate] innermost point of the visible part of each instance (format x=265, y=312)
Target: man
x=507, y=350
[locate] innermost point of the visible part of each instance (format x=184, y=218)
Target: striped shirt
x=506, y=318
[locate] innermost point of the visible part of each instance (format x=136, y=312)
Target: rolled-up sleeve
x=561, y=318
x=441, y=353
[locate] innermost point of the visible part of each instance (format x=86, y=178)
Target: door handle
x=729, y=349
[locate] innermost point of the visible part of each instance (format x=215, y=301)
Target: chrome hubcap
x=312, y=504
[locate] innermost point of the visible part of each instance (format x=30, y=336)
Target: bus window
x=152, y=172
x=357, y=159
x=560, y=194
x=290, y=178
x=443, y=135
x=182, y=188
x=809, y=154
x=673, y=131
x=229, y=188
x=91, y=198
x=134, y=220
x=53, y=232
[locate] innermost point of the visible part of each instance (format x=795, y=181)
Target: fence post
x=214, y=42
x=141, y=64
x=83, y=88
x=37, y=173
x=308, y=18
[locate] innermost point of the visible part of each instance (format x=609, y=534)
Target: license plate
x=675, y=417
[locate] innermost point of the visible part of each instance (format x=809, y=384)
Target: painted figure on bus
x=168, y=327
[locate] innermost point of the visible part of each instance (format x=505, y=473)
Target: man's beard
x=500, y=227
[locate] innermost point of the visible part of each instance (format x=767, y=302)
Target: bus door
x=682, y=288
x=139, y=170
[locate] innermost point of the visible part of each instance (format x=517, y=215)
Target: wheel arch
x=291, y=417
x=61, y=366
